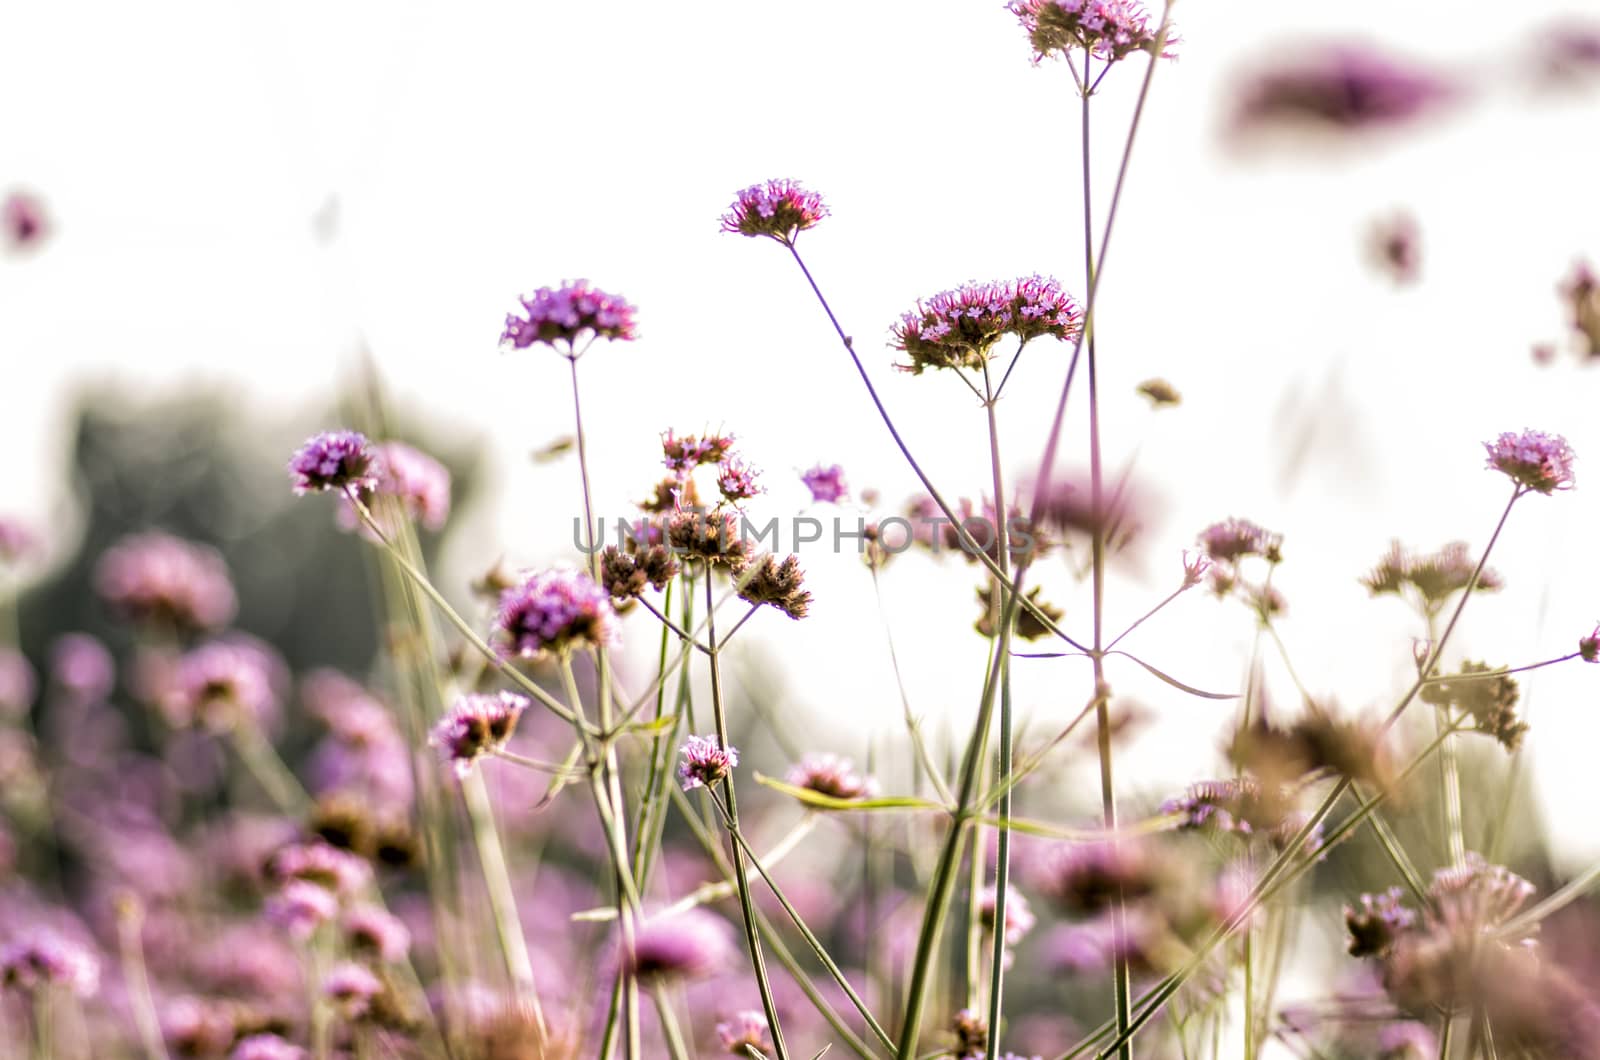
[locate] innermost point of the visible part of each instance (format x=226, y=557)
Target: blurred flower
x=370, y=929
x=300, y=907
x=1407, y=1040
x=1490, y=698
x=692, y=944
x=266, y=1047
x=959, y=328
x=1377, y=923
x=1340, y=86
x=1086, y=879
x=1582, y=295
x=334, y=460
x=826, y=483
x=82, y=667
x=1570, y=50
x=779, y=209
x=1317, y=740
x=1110, y=29
x=972, y=1033
x=162, y=580
x=1394, y=245
x=198, y=1027
x=1069, y=507
x=16, y=541
x=682, y=454
x=711, y=537
x=416, y=480
x=831, y=775
x=1533, y=460
x=747, y=1027
x=1019, y=917
x=338, y=871
x=351, y=988
x=1436, y=576
x=705, y=762
x=42, y=958
x=223, y=683
x=1589, y=647
x=779, y=585
x=555, y=611
x=474, y=726
x=23, y=221
x=624, y=574
x=17, y=683
x=1232, y=539
x=567, y=314
x=1160, y=393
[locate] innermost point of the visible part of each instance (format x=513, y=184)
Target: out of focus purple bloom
x=225, y=683
x=1581, y=292
x=351, y=988
x=338, y=871
x=1407, y=1040
x=1232, y=539
x=682, y=453
x=1571, y=50
x=1346, y=87
x=826, y=483
x=42, y=958
x=831, y=775
x=779, y=209
x=1395, y=245
x=334, y=460
x=23, y=221
x=17, y=683
x=372, y=929
x=1019, y=917
x=958, y=328
x=687, y=945
x=16, y=541
x=418, y=482
x=555, y=611
x=266, y=1047
x=567, y=314
x=705, y=762
x=474, y=726
x=300, y=907
x=163, y=580
x=1533, y=460
x=747, y=1027
x=82, y=667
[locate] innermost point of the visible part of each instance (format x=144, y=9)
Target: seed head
x=779, y=585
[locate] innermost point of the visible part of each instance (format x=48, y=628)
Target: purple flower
x=1407, y=1040
x=16, y=541
x=683, y=454
x=691, y=945
x=826, y=484
x=780, y=209
x=555, y=611
x=351, y=988
x=1233, y=539
x=339, y=872
x=1110, y=29
x=300, y=907
x=162, y=580
x=832, y=775
x=82, y=667
x=1380, y=920
x=17, y=683
x=476, y=725
x=23, y=221
x=1533, y=460
x=1019, y=918
x=266, y=1047
x=566, y=314
x=1343, y=87
x=371, y=929
x=737, y=480
x=334, y=460
x=223, y=683
x=958, y=328
x=705, y=762
x=748, y=1027
x=416, y=480
x=43, y=959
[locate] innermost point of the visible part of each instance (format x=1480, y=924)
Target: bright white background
x=474, y=151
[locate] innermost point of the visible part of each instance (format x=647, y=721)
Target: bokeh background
x=248, y=201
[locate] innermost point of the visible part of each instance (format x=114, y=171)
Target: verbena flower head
x=777, y=584
x=416, y=480
x=1534, y=460
x=556, y=611
x=1491, y=701
x=624, y=574
x=683, y=453
x=1110, y=29
x=334, y=460
x=82, y=667
x=959, y=328
x=826, y=483
x=266, y=1047
x=1232, y=539
x=1019, y=917
x=689, y=945
x=736, y=480
x=745, y=1028
x=1160, y=393
x=339, y=872
x=1589, y=647
x=1407, y=1040
x=300, y=907
x=567, y=315
x=705, y=762
x=351, y=988
x=832, y=775
x=779, y=209
x=1377, y=923
x=1435, y=576
x=223, y=684
x=1341, y=87
x=45, y=959
x=476, y=725
x=162, y=580
x=370, y=929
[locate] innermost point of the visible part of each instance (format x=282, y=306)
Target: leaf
x=1148, y=826
x=820, y=801
x=1175, y=683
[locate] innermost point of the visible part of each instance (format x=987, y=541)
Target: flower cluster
x=959, y=328
x=418, y=482
x=1375, y=926
x=474, y=726
x=567, y=314
x=1581, y=292
x=223, y=684
x=334, y=460
x=1534, y=460
x=689, y=945
x=1340, y=87
x=1488, y=696
x=1436, y=576
x=157, y=579
x=826, y=483
x=777, y=584
x=705, y=762
x=556, y=611
x=832, y=775
x=779, y=209
x=1233, y=539
x=1108, y=29
x=43, y=959
x=745, y=1029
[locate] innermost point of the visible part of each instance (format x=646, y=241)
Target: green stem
x=130, y=922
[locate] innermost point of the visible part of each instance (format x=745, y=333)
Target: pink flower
x=162, y=580
x=826, y=484
x=567, y=314
x=351, y=988
x=416, y=480
x=555, y=611
x=476, y=725
x=705, y=762
x=958, y=328
x=334, y=460
x=23, y=222
x=778, y=209
x=1533, y=460
x=42, y=958
x=1110, y=29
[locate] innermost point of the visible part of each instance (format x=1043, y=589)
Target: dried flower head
x=556, y=611
x=1436, y=576
x=1485, y=693
x=1317, y=740
x=474, y=726
x=43, y=959
x=1233, y=539
x=1109, y=29
x=1376, y=925
x=711, y=537
x=688, y=945
x=705, y=762
x=1160, y=393
x=567, y=314
x=779, y=209
x=1589, y=647
x=23, y=221
x=334, y=460
x=157, y=579
x=624, y=575
x=826, y=483
x=833, y=775
x=1027, y=625
x=959, y=328
x=1341, y=87
x=1581, y=292
x=972, y=1033
x=1534, y=460
x=1087, y=879
x=682, y=454
x=745, y=1028
x=779, y=585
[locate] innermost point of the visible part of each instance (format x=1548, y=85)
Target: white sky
x=479, y=150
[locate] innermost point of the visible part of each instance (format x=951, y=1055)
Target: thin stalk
x=731, y=806
x=130, y=923
x=669, y=1022
x=502, y=900
x=913, y=727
